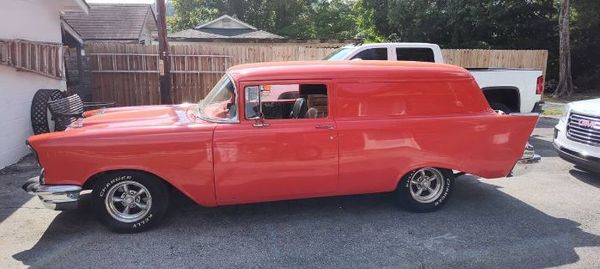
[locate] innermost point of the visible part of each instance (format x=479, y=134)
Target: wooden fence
x=128, y=73
x=523, y=59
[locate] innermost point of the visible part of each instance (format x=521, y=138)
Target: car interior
x=293, y=101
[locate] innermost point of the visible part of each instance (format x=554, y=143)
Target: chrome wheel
x=128, y=201
x=426, y=185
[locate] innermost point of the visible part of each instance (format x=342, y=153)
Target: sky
x=121, y=1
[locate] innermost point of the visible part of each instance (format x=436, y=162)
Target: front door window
x=286, y=101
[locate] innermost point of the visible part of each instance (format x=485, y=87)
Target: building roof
x=111, y=21
x=224, y=27
x=79, y=5
x=346, y=69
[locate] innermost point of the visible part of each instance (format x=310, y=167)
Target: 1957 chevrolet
x=276, y=131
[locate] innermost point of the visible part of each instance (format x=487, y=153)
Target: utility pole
x=163, y=50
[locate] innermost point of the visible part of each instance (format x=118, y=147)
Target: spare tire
x=39, y=109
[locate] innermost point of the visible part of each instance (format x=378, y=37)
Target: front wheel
x=129, y=201
x=426, y=189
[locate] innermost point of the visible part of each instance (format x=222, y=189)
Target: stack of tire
x=39, y=109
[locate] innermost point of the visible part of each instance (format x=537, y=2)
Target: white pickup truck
x=509, y=90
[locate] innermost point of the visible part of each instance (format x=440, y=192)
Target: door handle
x=325, y=126
x=260, y=125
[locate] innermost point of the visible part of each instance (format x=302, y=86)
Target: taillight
x=540, y=85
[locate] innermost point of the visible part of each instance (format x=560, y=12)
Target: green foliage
x=364, y=16
x=585, y=36
x=291, y=18
x=189, y=14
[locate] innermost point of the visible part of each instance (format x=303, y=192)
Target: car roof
x=346, y=69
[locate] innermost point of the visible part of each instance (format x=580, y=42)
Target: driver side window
x=286, y=101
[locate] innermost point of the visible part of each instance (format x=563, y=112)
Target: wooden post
x=163, y=51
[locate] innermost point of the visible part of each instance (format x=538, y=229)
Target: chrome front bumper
x=56, y=197
x=526, y=162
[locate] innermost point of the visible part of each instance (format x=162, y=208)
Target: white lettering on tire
x=111, y=182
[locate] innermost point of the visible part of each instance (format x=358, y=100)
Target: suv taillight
x=539, y=89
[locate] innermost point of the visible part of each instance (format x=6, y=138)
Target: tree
x=189, y=14
x=324, y=19
x=364, y=17
x=565, y=81
x=585, y=41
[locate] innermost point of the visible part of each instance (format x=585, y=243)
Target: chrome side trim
x=56, y=197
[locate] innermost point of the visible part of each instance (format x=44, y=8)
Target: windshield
x=220, y=103
x=339, y=54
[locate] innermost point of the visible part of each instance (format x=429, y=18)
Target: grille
x=584, y=129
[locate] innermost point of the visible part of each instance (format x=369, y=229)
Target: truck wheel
x=501, y=107
x=129, y=201
x=426, y=189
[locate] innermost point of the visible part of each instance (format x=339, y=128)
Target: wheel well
x=508, y=96
x=89, y=184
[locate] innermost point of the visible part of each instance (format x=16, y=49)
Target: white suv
x=577, y=134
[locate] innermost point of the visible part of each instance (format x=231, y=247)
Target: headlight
x=565, y=113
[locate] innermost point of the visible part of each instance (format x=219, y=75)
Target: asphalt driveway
x=549, y=217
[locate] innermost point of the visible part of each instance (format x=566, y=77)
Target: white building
x=28, y=20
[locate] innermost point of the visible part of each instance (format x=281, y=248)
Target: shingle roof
x=213, y=30
x=111, y=21
x=223, y=33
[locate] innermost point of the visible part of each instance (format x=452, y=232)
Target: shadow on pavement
x=12, y=177
x=586, y=176
x=481, y=226
x=542, y=146
x=546, y=122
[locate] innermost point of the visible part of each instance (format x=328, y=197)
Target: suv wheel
x=129, y=201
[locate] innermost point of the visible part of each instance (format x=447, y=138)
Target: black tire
x=111, y=184
x=39, y=109
x=406, y=199
x=500, y=106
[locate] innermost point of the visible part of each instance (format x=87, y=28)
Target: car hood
x=138, y=116
x=589, y=107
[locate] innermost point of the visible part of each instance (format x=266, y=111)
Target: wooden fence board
x=128, y=73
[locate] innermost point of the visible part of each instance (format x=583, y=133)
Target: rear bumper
x=527, y=161
x=588, y=162
x=56, y=197
x=538, y=107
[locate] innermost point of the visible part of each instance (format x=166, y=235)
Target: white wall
x=37, y=20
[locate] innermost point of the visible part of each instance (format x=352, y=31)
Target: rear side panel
x=387, y=129
x=375, y=154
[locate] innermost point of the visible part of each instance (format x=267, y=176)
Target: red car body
x=384, y=119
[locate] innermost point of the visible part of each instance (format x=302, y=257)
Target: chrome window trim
x=237, y=114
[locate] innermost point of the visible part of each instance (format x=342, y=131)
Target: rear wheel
x=501, y=107
x=426, y=189
x=129, y=201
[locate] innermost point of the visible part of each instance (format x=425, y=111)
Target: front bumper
x=56, y=197
x=588, y=162
x=527, y=161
